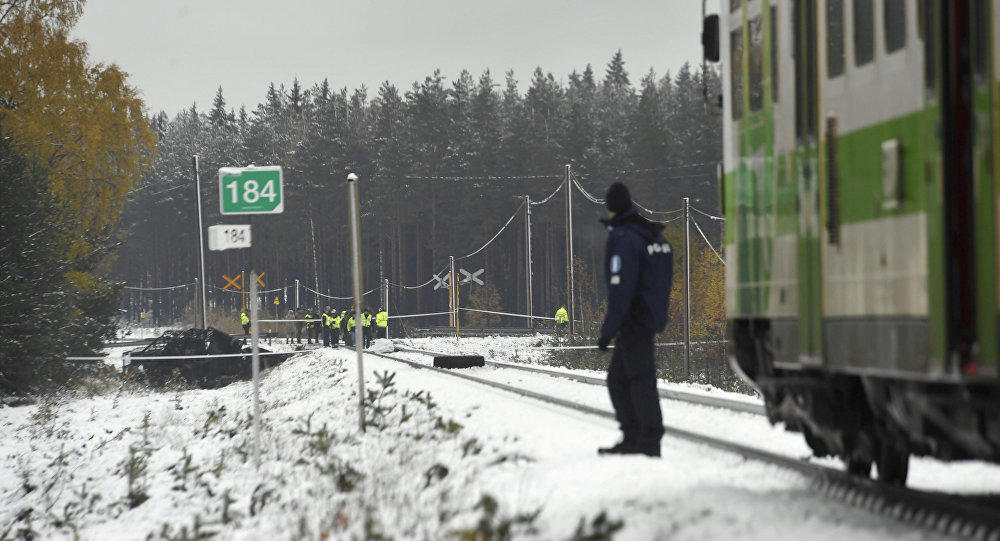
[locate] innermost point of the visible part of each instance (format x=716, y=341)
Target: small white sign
x=224, y=237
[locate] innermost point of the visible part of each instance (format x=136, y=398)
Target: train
x=859, y=185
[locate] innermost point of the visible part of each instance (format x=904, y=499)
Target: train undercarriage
x=871, y=420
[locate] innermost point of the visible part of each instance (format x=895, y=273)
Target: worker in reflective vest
x=245, y=322
x=382, y=321
x=335, y=329
x=310, y=328
x=327, y=320
x=366, y=327
x=562, y=319
x=349, y=337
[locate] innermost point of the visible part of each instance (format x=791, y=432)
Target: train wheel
x=893, y=464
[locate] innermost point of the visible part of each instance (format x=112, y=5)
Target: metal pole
x=569, y=251
x=255, y=339
x=527, y=258
x=453, y=291
x=687, y=289
x=385, y=303
x=297, y=294
x=352, y=196
x=201, y=244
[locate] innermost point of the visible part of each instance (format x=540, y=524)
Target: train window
x=736, y=71
x=864, y=32
x=894, y=18
x=774, y=53
x=980, y=43
x=756, y=28
x=806, y=74
x=926, y=18
x=834, y=38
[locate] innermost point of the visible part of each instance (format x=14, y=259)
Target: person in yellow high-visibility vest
x=382, y=321
x=327, y=320
x=335, y=329
x=310, y=328
x=562, y=320
x=366, y=328
x=349, y=337
x=245, y=322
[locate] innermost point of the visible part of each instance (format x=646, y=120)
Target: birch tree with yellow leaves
x=77, y=130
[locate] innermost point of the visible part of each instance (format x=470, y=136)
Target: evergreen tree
x=218, y=116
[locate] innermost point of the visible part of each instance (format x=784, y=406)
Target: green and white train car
x=860, y=189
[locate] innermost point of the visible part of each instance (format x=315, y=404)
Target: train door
x=807, y=166
x=982, y=49
x=968, y=194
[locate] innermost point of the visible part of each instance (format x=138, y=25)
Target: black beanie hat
x=618, y=200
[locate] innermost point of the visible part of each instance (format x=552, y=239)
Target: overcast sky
x=179, y=51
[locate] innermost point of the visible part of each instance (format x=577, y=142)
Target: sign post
x=255, y=337
x=201, y=244
x=352, y=196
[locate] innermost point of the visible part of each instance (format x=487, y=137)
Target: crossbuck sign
x=468, y=277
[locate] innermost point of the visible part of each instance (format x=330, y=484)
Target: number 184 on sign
x=251, y=190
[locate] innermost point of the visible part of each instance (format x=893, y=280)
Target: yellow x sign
x=259, y=276
x=232, y=282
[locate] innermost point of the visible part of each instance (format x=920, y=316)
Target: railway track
x=671, y=394
x=949, y=514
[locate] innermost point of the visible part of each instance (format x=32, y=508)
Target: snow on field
x=132, y=463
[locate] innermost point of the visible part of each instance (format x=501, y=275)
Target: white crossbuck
x=471, y=276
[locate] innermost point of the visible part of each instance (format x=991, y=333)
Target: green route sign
x=251, y=190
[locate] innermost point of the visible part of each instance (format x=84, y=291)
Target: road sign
x=276, y=300
x=259, y=281
x=251, y=190
x=232, y=282
x=442, y=282
x=471, y=276
x=226, y=236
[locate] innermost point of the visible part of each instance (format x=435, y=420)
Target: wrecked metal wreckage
x=206, y=373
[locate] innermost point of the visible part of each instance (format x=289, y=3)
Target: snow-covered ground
x=966, y=477
x=430, y=466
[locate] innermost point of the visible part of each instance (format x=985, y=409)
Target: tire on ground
x=458, y=361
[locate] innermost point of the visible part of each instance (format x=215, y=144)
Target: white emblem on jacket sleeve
x=615, y=279
x=616, y=264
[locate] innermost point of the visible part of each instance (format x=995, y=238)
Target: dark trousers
x=246, y=329
x=383, y=332
x=326, y=336
x=335, y=336
x=311, y=334
x=632, y=386
x=367, y=336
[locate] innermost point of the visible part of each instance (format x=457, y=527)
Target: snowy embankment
x=441, y=456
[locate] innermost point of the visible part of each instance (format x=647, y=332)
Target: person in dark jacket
x=638, y=269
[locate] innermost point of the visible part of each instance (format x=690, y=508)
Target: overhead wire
x=698, y=227
x=157, y=288
x=553, y=194
x=707, y=215
x=483, y=247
